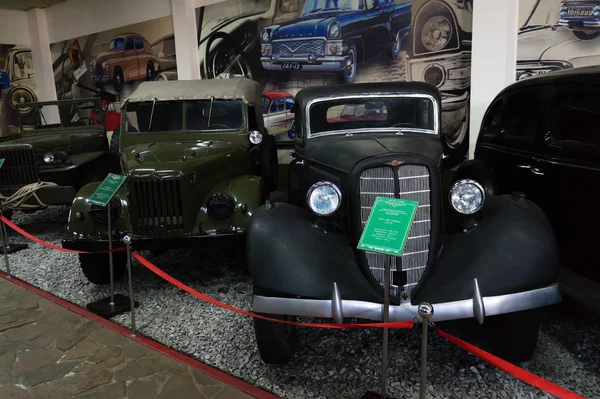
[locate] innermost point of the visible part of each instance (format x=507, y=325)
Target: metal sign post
x=114, y=304
x=425, y=310
x=132, y=303
x=386, y=232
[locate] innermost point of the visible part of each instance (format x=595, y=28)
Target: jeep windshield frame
x=319, y=127
x=63, y=115
x=185, y=115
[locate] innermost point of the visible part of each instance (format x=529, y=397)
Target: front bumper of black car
x=580, y=24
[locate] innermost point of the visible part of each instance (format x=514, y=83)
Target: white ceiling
x=24, y=5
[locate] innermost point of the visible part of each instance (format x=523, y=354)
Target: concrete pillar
x=186, y=39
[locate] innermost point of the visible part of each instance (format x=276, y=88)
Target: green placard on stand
x=388, y=226
x=107, y=189
x=1, y=162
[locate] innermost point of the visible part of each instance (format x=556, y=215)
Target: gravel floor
x=331, y=364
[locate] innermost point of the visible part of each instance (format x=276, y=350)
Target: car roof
x=234, y=88
x=127, y=34
x=366, y=89
x=584, y=75
x=276, y=94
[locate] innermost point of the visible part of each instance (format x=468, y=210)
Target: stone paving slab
x=47, y=351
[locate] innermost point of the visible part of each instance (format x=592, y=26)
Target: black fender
x=512, y=249
x=476, y=170
x=289, y=254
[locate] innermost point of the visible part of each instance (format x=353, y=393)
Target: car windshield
x=312, y=6
x=116, y=44
x=61, y=114
x=23, y=65
x=404, y=114
x=190, y=115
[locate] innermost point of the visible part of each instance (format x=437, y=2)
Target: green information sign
x=1, y=162
x=388, y=226
x=107, y=189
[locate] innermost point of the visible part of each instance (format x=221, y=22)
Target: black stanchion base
x=374, y=395
x=103, y=307
x=12, y=248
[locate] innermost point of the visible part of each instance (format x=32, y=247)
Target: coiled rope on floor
x=17, y=201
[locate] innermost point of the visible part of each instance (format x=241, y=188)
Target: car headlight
x=255, y=137
x=21, y=95
x=220, y=206
x=100, y=214
x=265, y=37
x=436, y=33
x=334, y=31
x=49, y=158
x=324, y=198
x=563, y=10
x=434, y=75
x=467, y=196
x=53, y=158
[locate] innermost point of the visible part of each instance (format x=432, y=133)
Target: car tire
x=395, y=47
x=227, y=42
x=115, y=140
x=118, y=79
x=513, y=336
x=583, y=35
x=267, y=164
x=348, y=74
x=276, y=342
x=149, y=71
x=95, y=267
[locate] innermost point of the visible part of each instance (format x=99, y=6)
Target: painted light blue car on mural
x=334, y=36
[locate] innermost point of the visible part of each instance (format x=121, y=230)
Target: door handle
x=524, y=166
x=537, y=171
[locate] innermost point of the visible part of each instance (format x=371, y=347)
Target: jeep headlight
x=324, y=198
x=265, y=37
x=436, y=33
x=334, y=31
x=255, y=137
x=53, y=158
x=563, y=10
x=467, y=196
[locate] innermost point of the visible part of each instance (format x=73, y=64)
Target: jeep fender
x=288, y=254
x=81, y=224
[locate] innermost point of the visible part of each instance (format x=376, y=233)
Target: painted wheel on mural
x=396, y=46
x=349, y=73
x=118, y=79
x=149, y=70
x=456, y=144
x=586, y=35
x=226, y=59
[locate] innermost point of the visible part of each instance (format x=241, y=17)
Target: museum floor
x=51, y=352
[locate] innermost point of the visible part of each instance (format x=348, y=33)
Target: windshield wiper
x=212, y=100
x=151, y=114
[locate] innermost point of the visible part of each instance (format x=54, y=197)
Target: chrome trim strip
x=436, y=116
x=464, y=309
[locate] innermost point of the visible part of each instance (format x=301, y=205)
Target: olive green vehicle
x=59, y=147
x=197, y=164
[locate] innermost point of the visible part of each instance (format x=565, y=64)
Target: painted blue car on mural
x=334, y=36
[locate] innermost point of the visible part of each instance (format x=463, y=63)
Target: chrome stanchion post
x=127, y=241
x=425, y=310
x=386, y=318
x=110, y=259
x=4, y=242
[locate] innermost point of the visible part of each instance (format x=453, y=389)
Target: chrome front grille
x=413, y=183
x=292, y=48
x=19, y=168
x=155, y=205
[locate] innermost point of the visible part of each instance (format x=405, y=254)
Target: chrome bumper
x=325, y=63
x=586, y=23
x=478, y=307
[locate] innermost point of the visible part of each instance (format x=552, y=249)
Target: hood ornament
x=395, y=163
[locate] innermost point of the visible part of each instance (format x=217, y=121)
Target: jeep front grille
x=299, y=47
x=413, y=184
x=155, y=205
x=19, y=168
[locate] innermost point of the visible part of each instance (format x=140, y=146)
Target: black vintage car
x=539, y=136
x=494, y=260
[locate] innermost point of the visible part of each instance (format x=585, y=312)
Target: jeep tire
x=276, y=341
x=96, y=269
x=513, y=336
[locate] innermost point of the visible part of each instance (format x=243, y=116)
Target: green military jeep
x=60, y=147
x=197, y=164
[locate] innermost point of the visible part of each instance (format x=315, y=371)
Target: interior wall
x=76, y=18
x=14, y=28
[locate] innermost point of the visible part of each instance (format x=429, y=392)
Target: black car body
x=477, y=265
x=539, y=137
x=335, y=35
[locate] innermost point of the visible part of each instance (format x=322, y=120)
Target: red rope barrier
x=50, y=245
x=146, y=263
x=511, y=369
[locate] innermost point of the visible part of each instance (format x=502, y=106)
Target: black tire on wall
x=276, y=341
x=583, y=35
x=95, y=267
x=348, y=76
x=118, y=79
x=149, y=71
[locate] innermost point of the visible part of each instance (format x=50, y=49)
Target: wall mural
x=287, y=45
x=556, y=35
x=17, y=85
x=116, y=61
